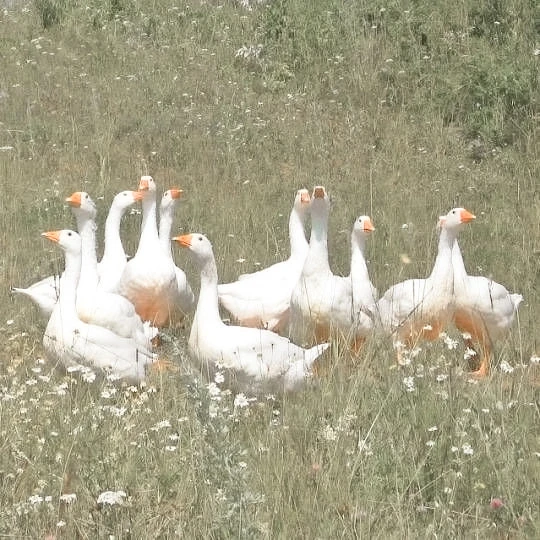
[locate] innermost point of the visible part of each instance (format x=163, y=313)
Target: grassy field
x=402, y=111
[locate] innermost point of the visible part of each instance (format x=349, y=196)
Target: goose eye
x=69, y=234
x=200, y=238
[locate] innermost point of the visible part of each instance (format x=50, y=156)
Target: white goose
x=183, y=295
x=149, y=279
x=364, y=293
x=262, y=299
x=74, y=342
x=484, y=310
x=321, y=302
x=95, y=306
x=251, y=358
x=114, y=258
x=418, y=309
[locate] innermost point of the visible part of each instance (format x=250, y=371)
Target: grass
x=402, y=113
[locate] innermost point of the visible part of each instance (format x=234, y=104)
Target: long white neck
x=458, y=266
x=88, y=280
x=68, y=286
x=149, y=232
x=442, y=274
x=297, y=236
x=207, y=311
x=113, y=250
x=317, y=257
x=165, y=226
x=359, y=269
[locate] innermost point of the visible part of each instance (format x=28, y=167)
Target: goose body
x=484, y=309
x=73, y=342
x=149, y=279
x=321, y=302
x=418, y=309
x=252, y=359
x=262, y=299
x=114, y=259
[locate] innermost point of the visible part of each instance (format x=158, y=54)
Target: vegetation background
x=402, y=110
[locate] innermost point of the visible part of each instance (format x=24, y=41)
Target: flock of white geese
x=105, y=315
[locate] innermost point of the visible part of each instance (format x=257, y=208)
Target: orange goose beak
x=305, y=197
x=466, y=216
x=53, y=236
x=184, y=240
x=368, y=225
x=74, y=199
x=176, y=193
x=143, y=183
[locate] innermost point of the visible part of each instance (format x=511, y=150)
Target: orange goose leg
x=479, y=339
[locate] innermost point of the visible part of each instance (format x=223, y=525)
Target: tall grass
x=402, y=111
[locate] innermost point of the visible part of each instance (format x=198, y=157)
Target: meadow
x=402, y=110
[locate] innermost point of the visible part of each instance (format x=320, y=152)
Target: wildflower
x=496, y=503
x=441, y=377
x=60, y=524
x=505, y=367
x=240, y=401
x=219, y=377
x=249, y=51
x=35, y=499
x=161, y=425
x=535, y=359
x=467, y=449
x=214, y=391
x=433, y=428
x=170, y=448
x=449, y=342
x=68, y=498
x=88, y=375
x=430, y=444
x=111, y=498
x=117, y=411
x=108, y=393
x=328, y=433
x=409, y=384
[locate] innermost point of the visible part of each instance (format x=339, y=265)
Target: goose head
x=170, y=198
x=147, y=185
x=82, y=204
x=68, y=240
x=125, y=199
x=197, y=243
x=363, y=226
x=302, y=199
x=455, y=219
